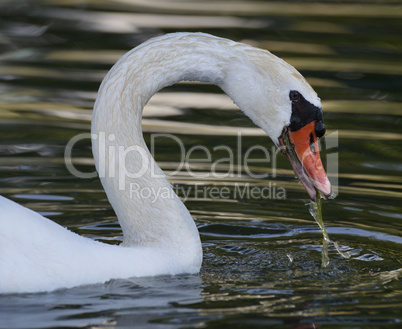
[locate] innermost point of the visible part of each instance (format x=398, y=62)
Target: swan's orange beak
x=301, y=147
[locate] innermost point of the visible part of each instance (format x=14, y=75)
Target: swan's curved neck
x=148, y=210
x=122, y=158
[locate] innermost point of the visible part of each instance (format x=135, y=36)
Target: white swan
x=160, y=237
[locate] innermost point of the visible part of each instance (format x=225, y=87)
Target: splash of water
x=315, y=211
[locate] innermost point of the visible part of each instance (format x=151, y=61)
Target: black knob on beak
x=319, y=129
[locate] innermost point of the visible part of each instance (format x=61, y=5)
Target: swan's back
x=33, y=248
x=17, y=223
x=37, y=254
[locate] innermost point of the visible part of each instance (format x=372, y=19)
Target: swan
x=159, y=238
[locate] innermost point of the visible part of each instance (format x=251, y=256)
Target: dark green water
x=262, y=255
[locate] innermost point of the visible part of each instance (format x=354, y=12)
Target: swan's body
x=40, y=255
x=159, y=237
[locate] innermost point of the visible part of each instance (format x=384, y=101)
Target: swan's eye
x=294, y=96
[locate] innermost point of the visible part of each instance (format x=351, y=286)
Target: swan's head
x=299, y=142
x=279, y=100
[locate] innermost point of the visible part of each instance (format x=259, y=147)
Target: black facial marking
x=303, y=112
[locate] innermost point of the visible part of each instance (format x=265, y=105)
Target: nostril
x=319, y=129
x=312, y=144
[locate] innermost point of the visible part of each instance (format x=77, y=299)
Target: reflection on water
x=262, y=256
